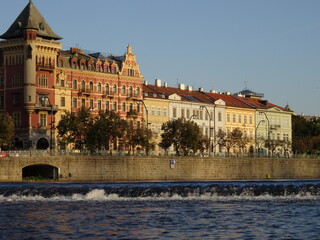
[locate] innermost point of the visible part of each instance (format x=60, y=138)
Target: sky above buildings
x=270, y=46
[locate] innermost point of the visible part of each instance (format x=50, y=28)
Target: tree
x=230, y=139
x=105, y=129
x=74, y=126
x=183, y=135
x=7, y=129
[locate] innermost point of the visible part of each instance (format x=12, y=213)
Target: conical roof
x=30, y=18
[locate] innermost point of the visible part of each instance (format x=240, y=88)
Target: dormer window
x=113, y=70
x=106, y=69
x=131, y=72
x=60, y=63
x=74, y=65
x=90, y=67
x=82, y=66
x=98, y=68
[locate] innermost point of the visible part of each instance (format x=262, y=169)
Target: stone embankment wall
x=116, y=169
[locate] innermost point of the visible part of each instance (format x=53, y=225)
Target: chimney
x=182, y=86
x=189, y=88
x=165, y=84
x=146, y=82
x=213, y=91
x=158, y=82
x=264, y=102
x=201, y=89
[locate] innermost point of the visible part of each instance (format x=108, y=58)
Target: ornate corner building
x=39, y=81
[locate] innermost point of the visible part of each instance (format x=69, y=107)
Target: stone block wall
x=119, y=169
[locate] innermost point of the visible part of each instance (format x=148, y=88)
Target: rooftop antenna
x=245, y=85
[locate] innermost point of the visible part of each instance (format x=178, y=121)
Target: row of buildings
x=39, y=81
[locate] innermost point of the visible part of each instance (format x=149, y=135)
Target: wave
x=162, y=191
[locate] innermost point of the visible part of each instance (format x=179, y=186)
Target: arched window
x=99, y=87
x=62, y=83
x=137, y=91
x=91, y=86
x=83, y=85
x=130, y=91
x=114, y=88
x=106, y=68
x=123, y=107
x=74, y=84
x=123, y=89
x=114, y=106
x=107, y=88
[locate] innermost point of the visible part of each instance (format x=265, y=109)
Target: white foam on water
x=100, y=195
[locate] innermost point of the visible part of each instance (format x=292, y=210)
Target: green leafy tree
x=74, y=127
x=183, y=135
x=6, y=130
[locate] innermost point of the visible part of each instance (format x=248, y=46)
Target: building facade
x=39, y=81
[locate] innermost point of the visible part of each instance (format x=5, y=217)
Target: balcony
x=85, y=91
x=132, y=113
x=45, y=67
x=134, y=97
x=108, y=94
x=274, y=126
x=46, y=107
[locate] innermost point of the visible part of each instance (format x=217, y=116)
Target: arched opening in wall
x=42, y=144
x=40, y=172
x=16, y=143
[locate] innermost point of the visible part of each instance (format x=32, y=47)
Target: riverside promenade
x=126, y=168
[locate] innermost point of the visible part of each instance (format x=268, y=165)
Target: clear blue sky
x=271, y=46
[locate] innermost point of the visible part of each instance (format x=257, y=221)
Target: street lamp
x=147, y=114
x=268, y=129
x=193, y=116
x=52, y=122
x=204, y=107
x=255, y=134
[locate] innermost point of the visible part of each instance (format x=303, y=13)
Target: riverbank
x=131, y=169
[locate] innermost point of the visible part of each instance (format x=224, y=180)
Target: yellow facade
x=158, y=113
x=244, y=119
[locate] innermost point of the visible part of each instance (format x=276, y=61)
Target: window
x=74, y=103
x=63, y=101
x=123, y=89
x=82, y=66
x=130, y=91
x=99, y=105
x=90, y=67
x=239, y=118
x=107, y=88
x=91, y=104
x=137, y=91
x=174, y=112
x=74, y=65
x=286, y=137
x=99, y=87
x=74, y=84
x=16, y=119
x=131, y=107
x=83, y=86
x=250, y=119
x=114, y=88
x=107, y=106
x=219, y=116
x=91, y=86
x=123, y=107
x=43, y=120
x=153, y=111
x=114, y=106
x=251, y=136
x=138, y=107
x=233, y=118
x=106, y=69
x=188, y=113
x=159, y=111
x=245, y=119
x=98, y=68
x=43, y=80
x=1, y=101
x=83, y=102
x=113, y=70
x=62, y=83
x=228, y=117
x=16, y=101
x=201, y=115
x=130, y=72
x=165, y=111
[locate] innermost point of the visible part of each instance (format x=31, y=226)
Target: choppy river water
x=184, y=210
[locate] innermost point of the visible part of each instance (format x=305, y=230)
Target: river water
x=184, y=210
